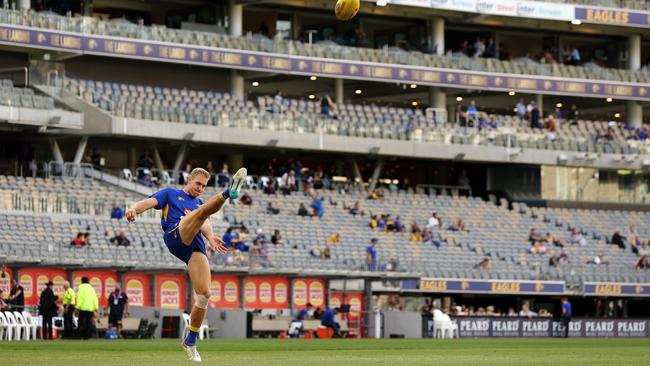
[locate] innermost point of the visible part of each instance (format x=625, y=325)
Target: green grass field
x=253, y=352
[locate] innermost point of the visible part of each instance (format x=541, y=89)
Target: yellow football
x=346, y=9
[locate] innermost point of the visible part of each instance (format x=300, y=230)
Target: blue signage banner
x=491, y=286
x=299, y=65
x=616, y=17
x=616, y=289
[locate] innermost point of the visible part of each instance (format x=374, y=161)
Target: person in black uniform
x=47, y=308
x=118, y=306
x=16, y=296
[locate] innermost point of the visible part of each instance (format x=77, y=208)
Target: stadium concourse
x=474, y=169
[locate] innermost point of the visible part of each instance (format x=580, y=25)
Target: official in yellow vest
x=87, y=304
x=69, y=301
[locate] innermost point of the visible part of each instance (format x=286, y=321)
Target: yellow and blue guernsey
x=175, y=204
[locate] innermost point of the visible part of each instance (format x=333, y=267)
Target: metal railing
x=445, y=190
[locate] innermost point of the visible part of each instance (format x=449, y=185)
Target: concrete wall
x=405, y=323
x=229, y=323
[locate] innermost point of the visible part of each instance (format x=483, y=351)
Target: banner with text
x=610, y=16
x=266, y=293
x=301, y=65
x=616, y=289
x=33, y=281
x=170, y=291
x=442, y=285
x=308, y=290
x=536, y=327
x=6, y=275
x=137, y=287
x=224, y=291
x=102, y=281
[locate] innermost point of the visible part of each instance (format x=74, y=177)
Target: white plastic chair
x=12, y=327
x=127, y=174
x=32, y=323
x=186, y=325
x=3, y=326
x=23, y=325
x=204, y=331
x=442, y=326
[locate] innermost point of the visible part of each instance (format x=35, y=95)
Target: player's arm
x=215, y=242
x=140, y=207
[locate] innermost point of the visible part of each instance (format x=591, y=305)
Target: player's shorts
x=172, y=238
x=114, y=319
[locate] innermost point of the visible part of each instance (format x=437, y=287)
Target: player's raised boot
x=238, y=181
x=191, y=352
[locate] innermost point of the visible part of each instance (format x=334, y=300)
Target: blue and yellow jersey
x=175, y=204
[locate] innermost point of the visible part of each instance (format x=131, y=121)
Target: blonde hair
x=199, y=171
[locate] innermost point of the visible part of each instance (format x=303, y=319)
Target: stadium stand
x=22, y=97
x=491, y=231
x=223, y=109
x=257, y=42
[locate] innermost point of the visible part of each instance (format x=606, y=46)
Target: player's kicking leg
x=191, y=224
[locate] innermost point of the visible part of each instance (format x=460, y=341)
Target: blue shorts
x=172, y=238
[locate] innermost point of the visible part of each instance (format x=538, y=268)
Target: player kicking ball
x=184, y=218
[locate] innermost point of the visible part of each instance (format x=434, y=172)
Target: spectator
x=479, y=47
x=556, y=242
x=86, y=239
x=227, y=238
x=278, y=98
x=121, y=239
x=554, y=261
x=246, y=199
x=327, y=106
x=87, y=304
x=78, y=241
x=145, y=161
x=373, y=222
x=458, y=225
x=47, y=309
x=276, y=238
x=377, y=194
x=118, y=307
x=260, y=237
x=97, y=159
x=577, y=238
x=381, y=223
x=69, y=305
x=354, y=209
x=572, y=56
x=534, y=237
x=371, y=255
x=317, y=206
x=618, y=239
x=326, y=253
x=334, y=238
x=484, y=265
x=16, y=296
x=3, y=304
x=566, y=315
x=416, y=233
x=116, y=212
x=526, y=312
x=490, y=49
x=427, y=235
x=434, y=222
x=551, y=127
x=600, y=258
x=304, y=313
x=392, y=264
x=288, y=182
x=511, y=313
x=302, y=210
x=259, y=255
x=564, y=258
x=223, y=178
x=272, y=210
x=397, y=225
x=573, y=115
x=327, y=320
x=534, y=115
x=472, y=112
x=643, y=262
x=520, y=109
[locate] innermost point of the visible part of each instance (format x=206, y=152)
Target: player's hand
x=218, y=245
x=130, y=215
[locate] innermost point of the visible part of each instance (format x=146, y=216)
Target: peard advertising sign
x=475, y=327
x=33, y=281
x=308, y=290
x=6, y=275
